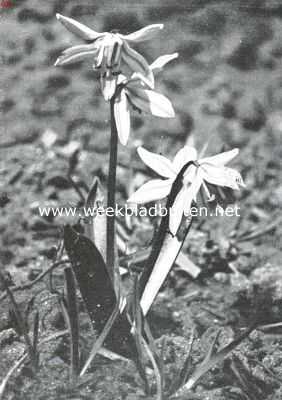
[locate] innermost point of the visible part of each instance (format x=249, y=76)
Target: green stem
x=110, y=260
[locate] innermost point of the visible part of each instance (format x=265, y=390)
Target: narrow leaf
x=73, y=322
x=97, y=346
x=165, y=260
x=36, y=334
x=96, y=229
x=209, y=363
x=186, y=265
x=97, y=291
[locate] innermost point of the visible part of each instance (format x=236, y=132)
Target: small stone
x=221, y=277
x=240, y=283
x=49, y=138
x=7, y=337
x=269, y=279
x=70, y=148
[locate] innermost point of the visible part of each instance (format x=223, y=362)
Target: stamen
x=100, y=57
x=114, y=54
x=210, y=197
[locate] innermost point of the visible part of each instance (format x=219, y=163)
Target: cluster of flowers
x=128, y=80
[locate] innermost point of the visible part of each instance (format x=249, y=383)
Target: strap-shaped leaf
x=165, y=250
x=97, y=225
x=166, y=258
x=97, y=291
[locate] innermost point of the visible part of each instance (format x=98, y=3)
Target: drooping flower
x=205, y=170
x=135, y=92
x=110, y=52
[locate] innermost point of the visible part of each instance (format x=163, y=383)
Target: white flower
x=195, y=175
x=136, y=93
x=110, y=52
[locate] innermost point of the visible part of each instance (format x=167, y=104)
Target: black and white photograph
x=140, y=200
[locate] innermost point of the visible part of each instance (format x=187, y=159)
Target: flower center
x=189, y=172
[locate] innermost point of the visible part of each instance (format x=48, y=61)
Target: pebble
x=269, y=278
x=69, y=148
x=7, y=337
x=49, y=138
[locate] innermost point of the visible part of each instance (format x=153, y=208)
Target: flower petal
x=176, y=211
x=153, y=190
x=161, y=61
x=234, y=178
x=76, y=53
x=121, y=79
x=160, y=164
x=77, y=28
x=151, y=102
x=212, y=174
x=145, y=33
x=221, y=158
x=122, y=117
x=137, y=63
x=108, y=84
x=221, y=176
x=183, y=156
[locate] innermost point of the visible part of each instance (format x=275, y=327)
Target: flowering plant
x=196, y=172
x=110, y=52
x=127, y=82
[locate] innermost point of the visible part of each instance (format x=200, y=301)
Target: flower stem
x=110, y=259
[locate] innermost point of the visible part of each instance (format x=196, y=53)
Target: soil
x=226, y=88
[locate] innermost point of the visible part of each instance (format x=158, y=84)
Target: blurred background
x=228, y=50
